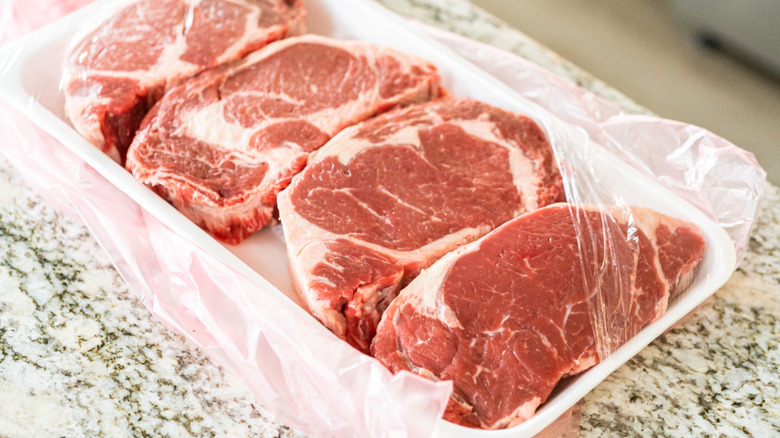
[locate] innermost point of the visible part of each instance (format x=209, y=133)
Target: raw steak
x=115, y=74
x=387, y=198
x=506, y=317
x=222, y=145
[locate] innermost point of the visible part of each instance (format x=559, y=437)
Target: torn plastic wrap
x=308, y=378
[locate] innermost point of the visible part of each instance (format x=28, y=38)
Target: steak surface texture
x=386, y=198
x=506, y=317
x=222, y=145
x=117, y=72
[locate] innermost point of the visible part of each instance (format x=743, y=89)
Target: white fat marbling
x=80, y=355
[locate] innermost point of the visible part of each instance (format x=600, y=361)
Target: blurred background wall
x=712, y=63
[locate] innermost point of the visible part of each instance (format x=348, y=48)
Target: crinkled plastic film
x=309, y=379
x=720, y=179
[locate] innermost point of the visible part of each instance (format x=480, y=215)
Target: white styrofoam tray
x=31, y=84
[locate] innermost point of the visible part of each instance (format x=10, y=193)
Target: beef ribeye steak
x=506, y=317
x=116, y=73
x=222, y=145
x=386, y=198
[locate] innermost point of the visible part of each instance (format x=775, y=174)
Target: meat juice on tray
x=453, y=188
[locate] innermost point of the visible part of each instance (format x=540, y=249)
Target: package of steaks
x=381, y=228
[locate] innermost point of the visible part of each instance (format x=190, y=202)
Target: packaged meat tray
x=237, y=302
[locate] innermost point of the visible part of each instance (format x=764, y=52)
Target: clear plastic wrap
x=722, y=180
x=234, y=310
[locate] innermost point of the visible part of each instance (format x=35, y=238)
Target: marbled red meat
x=116, y=73
x=221, y=146
x=386, y=198
x=506, y=317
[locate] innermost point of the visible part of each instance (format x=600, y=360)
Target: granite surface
x=81, y=356
x=715, y=374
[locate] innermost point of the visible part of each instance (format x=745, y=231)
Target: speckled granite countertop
x=80, y=356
